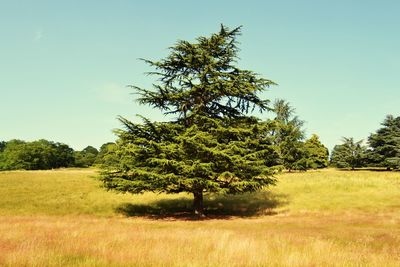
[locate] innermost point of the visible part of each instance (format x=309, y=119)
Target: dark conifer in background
x=385, y=144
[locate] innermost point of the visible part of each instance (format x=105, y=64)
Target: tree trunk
x=198, y=204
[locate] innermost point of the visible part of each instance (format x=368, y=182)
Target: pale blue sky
x=64, y=65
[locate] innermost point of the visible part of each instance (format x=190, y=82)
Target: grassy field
x=318, y=218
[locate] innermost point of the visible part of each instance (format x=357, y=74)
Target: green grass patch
x=336, y=190
x=77, y=192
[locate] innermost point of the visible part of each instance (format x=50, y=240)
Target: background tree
x=86, y=157
x=211, y=145
x=12, y=157
x=288, y=136
x=2, y=145
x=63, y=156
x=317, y=153
x=107, y=155
x=36, y=155
x=385, y=144
x=350, y=154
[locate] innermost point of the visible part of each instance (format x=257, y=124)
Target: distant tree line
x=43, y=154
x=289, y=149
x=382, y=148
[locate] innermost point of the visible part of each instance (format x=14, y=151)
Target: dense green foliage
x=36, y=155
x=211, y=145
x=288, y=137
x=218, y=156
x=385, y=144
x=316, y=153
x=86, y=157
x=107, y=155
x=2, y=145
x=44, y=154
x=349, y=154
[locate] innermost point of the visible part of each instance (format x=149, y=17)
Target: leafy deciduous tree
x=36, y=155
x=86, y=157
x=317, y=153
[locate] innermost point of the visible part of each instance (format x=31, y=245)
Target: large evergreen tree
x=385, y=144
x=212, y=145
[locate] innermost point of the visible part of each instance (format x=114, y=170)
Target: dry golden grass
x=302, y=240
x=323, y=218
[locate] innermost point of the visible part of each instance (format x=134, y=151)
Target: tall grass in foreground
x=307, y=240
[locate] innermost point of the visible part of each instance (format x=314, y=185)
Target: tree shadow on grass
x=215, y=206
